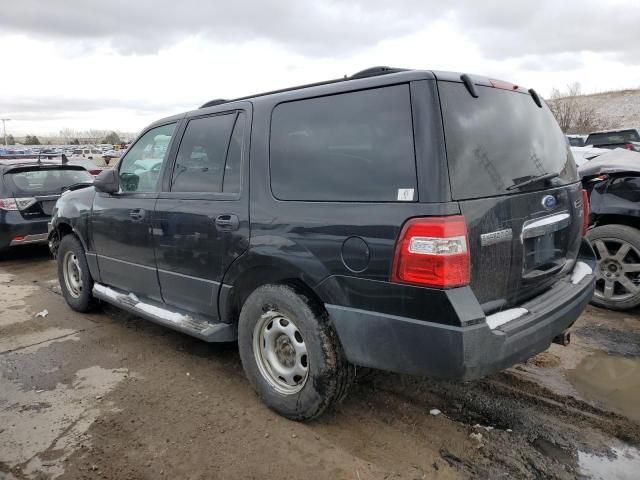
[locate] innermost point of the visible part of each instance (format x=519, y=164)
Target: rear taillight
x=16, y=203
x=432, y=252
x=95, y=172
x=628, y=146
x=585, y=211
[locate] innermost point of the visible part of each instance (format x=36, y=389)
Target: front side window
x=355, y=146
x=140, y=167
x=209, y=156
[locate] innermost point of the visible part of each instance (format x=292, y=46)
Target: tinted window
x=209, y=155
x=498, y=139
x=45, y=180
x=356, y=146
x=140, y=167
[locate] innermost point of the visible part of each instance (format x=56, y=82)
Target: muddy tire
x=291, y=353
x=74, y=276
x=617, y=250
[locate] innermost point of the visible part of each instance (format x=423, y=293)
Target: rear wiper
x=539, y=178
x=76, y=186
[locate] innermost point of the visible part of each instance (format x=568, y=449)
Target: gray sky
x=123, y=63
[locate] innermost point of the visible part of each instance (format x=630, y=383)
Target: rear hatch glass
x=43, y=184
x=498, y=139
x=523, y=233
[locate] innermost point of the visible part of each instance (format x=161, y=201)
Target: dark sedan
x=28, y=193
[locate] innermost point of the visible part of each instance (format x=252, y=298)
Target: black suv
x=414, y=221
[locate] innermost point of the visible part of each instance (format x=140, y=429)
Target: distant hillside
x=616, y=109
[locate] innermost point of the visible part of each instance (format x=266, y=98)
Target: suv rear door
x=522, y=238
x=201, y=219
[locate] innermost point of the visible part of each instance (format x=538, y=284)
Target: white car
x=87, y=152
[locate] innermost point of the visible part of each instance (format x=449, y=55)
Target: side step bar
x=186, y=322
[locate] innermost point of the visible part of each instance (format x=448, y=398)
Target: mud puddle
x=610, y=381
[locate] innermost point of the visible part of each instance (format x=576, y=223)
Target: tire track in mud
x=527, y=430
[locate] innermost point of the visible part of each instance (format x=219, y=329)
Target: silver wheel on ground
x=618, y=269
x=617, y=249
x=280, y=353
x=72, y=274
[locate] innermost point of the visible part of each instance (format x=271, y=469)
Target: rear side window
x=499, y=139
x=209, y=156
x=356, y=146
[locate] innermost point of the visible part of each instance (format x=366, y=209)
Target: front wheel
x=291, y=353
x=74, y=276
x=617, y=250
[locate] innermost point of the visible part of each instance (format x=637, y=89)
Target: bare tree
x=572, y=114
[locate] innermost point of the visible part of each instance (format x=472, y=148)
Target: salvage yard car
x=28, y=192
x=628, y=138
x=612, y=181
x=422, y=222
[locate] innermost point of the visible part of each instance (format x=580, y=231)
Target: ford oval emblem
x=549, y=202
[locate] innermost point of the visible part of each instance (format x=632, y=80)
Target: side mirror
x=107, y=181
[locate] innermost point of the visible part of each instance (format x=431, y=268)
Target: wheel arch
x=244, y=281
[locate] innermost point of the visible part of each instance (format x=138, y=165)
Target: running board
x=183, y=321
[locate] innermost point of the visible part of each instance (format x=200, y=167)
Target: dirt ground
x=109, y=395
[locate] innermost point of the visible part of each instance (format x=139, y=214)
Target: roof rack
x=213, y=103
x=375, y=71
x=369, y=72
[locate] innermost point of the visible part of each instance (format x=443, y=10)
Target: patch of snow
x=161, y=313
x=580, y=271
x=476, y=436
x=500, y=318
x=435, y=412
x=42, y=314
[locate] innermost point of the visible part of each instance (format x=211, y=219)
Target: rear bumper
x=405, y=345
x=12, y=225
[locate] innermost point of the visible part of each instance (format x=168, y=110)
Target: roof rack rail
x=213, y=103
x=374, y=71
x=369, y=72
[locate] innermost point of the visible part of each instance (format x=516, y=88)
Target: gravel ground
x=109, y=395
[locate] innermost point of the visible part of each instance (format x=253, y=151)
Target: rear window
x=498, y=139
x=356, y=146
x=39, y=181
x=613, y=137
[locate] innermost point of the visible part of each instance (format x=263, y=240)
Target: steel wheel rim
x=618, y=270
x=281, y=353
x=72, y=274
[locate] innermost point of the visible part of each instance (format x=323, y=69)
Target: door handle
x=227, y=222
x=137, y=214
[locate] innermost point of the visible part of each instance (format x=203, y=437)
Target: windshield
x=613, y=137
x=500, y=139
x=44, y=181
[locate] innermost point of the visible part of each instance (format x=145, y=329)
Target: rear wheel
x=74, y=276
x=291, y=353
x=617, y=250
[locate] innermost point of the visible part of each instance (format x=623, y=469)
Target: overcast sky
x=120, y=64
